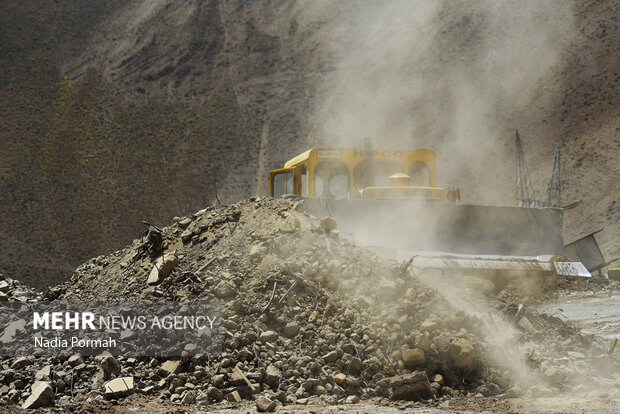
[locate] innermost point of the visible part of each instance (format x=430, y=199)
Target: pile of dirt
x=307, y=317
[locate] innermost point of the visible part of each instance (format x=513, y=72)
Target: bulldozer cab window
x=331, y=179
x=382, y=172
x=420, y=175
x=282, y=183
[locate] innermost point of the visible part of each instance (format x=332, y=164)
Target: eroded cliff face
x=118, y=112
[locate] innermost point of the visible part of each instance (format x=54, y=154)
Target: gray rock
x=21, y=363
x=110, y=366
x=42, y=395
x=331, y=356
x=189, y=398
x=269, y=336
x=75, y=360
x=291, y=329
x=215, y=394
x=234, y=397
x=4, y=286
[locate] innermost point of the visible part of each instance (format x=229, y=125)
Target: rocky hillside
x=121, y=111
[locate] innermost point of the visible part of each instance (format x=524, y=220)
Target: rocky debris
x=162, y=268
x=110, y=366
x=273, y=376
x=264, y=404
x=304, y=321
x=413, y=358
x=21, y=362
x=462, y=353
x=413, y=387
x=269, y=336
x=170, y=367
x=291, y=329
x=614, y=274
x=119, y=387
x=41, y=395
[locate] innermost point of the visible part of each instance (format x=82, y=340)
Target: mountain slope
x=121, y=111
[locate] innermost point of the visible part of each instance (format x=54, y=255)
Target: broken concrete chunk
x=42, y=395
x=119, y=387
x=162, y=268
x=4, y=286
x=170, y=367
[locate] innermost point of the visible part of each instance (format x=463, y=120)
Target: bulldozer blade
x=503, y=265
x=414, y=225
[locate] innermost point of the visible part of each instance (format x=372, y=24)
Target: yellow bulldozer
x=389, y=198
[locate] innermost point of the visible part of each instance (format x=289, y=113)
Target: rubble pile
x=307, y=317
x=14, y=290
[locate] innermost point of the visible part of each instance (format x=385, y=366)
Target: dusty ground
x=562, y=404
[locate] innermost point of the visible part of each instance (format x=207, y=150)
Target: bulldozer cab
x=351, y=173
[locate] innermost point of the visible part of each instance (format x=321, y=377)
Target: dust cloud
x=449, y=76
x=444, y=75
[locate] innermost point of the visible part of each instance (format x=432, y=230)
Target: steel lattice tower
x=522, y=184
x=553, y=190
